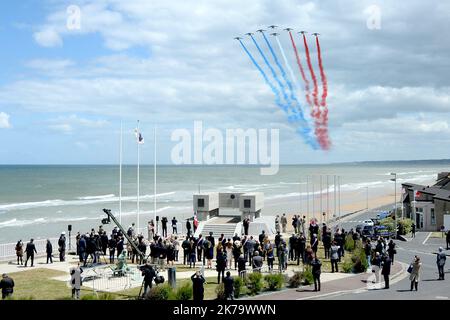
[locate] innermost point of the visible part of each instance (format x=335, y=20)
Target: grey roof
x=438, y=191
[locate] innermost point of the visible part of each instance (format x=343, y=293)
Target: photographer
x=149, y=274
x=164, y=226
x=197, y=286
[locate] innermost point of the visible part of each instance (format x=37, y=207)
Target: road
x=422, y=245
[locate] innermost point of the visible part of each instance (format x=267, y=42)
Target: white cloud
x=48, y=37
x=61, y=128
x=4, y=121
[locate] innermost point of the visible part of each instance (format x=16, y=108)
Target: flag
x=195, y=220
x=139, y=137
x=417, y=194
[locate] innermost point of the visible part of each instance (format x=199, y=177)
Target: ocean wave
x=106, y=196
x=21, y=223
x=85, y=201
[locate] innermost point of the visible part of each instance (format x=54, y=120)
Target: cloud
x=48, y=37
x=4, y=121
x=61, y=128
x=68, y=124
x=190, y=68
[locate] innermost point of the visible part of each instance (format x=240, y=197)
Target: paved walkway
x=333, y=286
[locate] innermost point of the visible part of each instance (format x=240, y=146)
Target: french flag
x=139, y=137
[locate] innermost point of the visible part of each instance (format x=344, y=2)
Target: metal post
x=321, y=209
x=307, y=196
x=339, y=197
x=328, y=197
x=334, y=190
x=313, y=198
x=367, y=198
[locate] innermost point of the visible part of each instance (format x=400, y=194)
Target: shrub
x=220, y=291
x=238, y=284
x=405, y=225
x=356, y=262
x=307, y=276
x=274, y=281
x=349, y=243
x=161, y=292
x=184, y=292
x=106, y=296
x=389, y=223
x=254, y=283
x=296, y=280
x=89, y=297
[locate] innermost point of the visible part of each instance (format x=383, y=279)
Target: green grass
x=37, y=284
x=437, y=234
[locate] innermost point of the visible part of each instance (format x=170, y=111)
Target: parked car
x=368, y=222
x=383, y=215
x=367, y=231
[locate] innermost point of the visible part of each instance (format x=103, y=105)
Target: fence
x=8, y=250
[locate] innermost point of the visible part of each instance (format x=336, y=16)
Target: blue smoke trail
x=275, y=90
x=266, y=79
x=298, y=113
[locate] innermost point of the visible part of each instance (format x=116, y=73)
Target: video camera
x=108, y=219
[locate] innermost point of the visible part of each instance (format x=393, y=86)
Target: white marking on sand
x=426, y=239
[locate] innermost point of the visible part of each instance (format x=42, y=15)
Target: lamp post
x=367, y=198
x=395, y=199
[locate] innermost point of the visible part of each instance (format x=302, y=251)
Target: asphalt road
x=422, y=245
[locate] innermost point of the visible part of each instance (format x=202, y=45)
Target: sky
x=65, y=88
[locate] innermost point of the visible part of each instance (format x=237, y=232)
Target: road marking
x=426, y=239
x=441, y=297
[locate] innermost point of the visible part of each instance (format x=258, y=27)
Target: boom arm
x=111, y=216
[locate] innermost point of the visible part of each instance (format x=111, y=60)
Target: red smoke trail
x=313, y=75
x=322, y=75
x=302, y=72
x=324, y=113
x=321, y=117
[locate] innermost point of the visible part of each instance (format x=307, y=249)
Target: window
x=247, y=203
x=433, y=216
x=201, y=203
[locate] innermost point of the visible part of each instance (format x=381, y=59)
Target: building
x=208, y=205
x=428, y=206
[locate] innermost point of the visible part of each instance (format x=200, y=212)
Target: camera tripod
x=101, y=259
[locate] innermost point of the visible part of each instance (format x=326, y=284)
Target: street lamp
x=367, y=198
x=395, y=199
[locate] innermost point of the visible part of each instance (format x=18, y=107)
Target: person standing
x=250, y=248
x=174, y=226
x=326, y=240
x=391, y=250
x=150, y=230
x=270, y=255
x=283, y=222
x=62, y=246
x=314, y=243
x=440, y=261
x=334, y=257
x=75, y=281
x=199, y=246
x=149, y=274
x=376, y=266
x=19, y=252
x=7, y=286
x=316, y=265
x=301, y=243
x=197, y=286
x=241, y=266
x=386, y=271
x=447, y=238
x=112, y=244
x=229, y=252
x=277, y=224
x=195, y=223
x=82, y=248
x=368, y=252
x=292, y=243
x=228, y=283
x=186, y=245
x=415, y=272
x=246, y=224
x=188, y=228
x=49, y=251
x=413, y=230
x=30, y=250
x=221, y=261
x=164, y=226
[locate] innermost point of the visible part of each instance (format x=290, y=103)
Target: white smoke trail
x=286, y=62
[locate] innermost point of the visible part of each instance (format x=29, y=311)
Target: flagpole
x=120, y=175
x=154, y=175
x=138, y=159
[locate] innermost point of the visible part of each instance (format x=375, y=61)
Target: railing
x=8, y=250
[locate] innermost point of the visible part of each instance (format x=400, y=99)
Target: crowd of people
x=238, y=252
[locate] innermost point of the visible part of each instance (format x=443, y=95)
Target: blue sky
x=63, y=93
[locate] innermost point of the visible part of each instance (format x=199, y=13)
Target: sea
x=40, y=201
